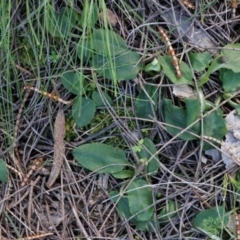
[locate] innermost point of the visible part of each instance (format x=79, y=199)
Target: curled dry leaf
x=232, y=140
x=230, y=147
x=184, y=91
x=112, y=18
x=59, y=147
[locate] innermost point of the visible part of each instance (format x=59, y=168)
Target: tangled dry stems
x=76, y=205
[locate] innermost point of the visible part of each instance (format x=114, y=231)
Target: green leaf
x=89, y=14
x=83, y=110
x=235, y=181
x=215, y=65
x=169, y=71
x=84, y=50
x=143, y=106
x=119, y=67
x=136, y=149
x=113, y=60
x=230, y=80
x=140, y=200
x=100, y=157
x=96, y=97
x=169, y=211
x=3, y=171
x=107, y=43
x=182, y=118
x=76, y=108
x=212, y=221
x=213, y=124
x=231, y=57
x=122, y=206
x=60, y=24
x=123, y=174
x=153, y=66
x=124, y=211
x=73, y=82
x=147, y=151
x=200, y=61
x=192, y=110
x=149, y=225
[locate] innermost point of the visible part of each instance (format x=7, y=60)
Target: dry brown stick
x=36, y=236
x=24, y=70
x=14, y=153
x=33, y=168
x=50, y=95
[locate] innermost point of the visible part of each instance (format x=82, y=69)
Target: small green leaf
x=140, y=142
x=143, y=106
x=149, y=225
x=230, y=80
x=136, y=149
x=107, y=43
x=169, y=211
x=3, y=171
x=119, y=67
x=113, y=60
x=200, y=61
x=231, y=57
x=60, y=24
x=153, y=66
x=147, y=151
x=182, y=117
x=140, y=200
x=100, y=157
x=215, y=65
x=123, y=174
x=124, y=211
x=73, y=82
x=96, y=97
x=83, y=111
x=213, y=124
x=212, y=221
x=84, y=50
x=169, y=71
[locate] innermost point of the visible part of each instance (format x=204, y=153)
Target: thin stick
x=50, y=95
x=19, y=119
x=14, y=153
x=33, y=168
x=36, y=236
x=171, y=52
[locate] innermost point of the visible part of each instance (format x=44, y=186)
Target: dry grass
x=77, y=206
